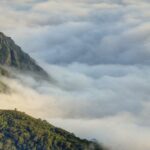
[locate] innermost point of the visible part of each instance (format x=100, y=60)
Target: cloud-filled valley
x=98, y=53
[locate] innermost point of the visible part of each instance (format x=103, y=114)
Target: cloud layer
x=98, y=52
x=90, y=32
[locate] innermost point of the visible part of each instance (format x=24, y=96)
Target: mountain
x=11, y=55
x=19, y=131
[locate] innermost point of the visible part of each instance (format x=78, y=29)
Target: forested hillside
x=19, y=131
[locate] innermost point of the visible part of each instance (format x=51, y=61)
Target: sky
x=98, y=53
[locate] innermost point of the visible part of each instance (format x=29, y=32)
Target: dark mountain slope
x=19, y=131
x=11, y=55
x=3, y=87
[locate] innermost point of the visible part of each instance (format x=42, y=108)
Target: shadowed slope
x=11, y=55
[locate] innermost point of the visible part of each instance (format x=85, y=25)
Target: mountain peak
x=12, y=55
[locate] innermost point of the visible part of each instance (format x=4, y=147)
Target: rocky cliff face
x=11, y=55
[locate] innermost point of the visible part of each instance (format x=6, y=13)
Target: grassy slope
x=22, y=132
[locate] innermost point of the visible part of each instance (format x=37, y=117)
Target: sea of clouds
x=98, y=52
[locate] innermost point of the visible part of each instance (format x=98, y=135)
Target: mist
x=98, y=53
x=93, y=106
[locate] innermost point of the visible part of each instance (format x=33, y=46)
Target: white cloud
x=105, y=33
x=98, y=52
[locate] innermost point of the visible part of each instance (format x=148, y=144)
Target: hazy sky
x=98, y=51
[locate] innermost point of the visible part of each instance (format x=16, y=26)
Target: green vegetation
x=19, y=131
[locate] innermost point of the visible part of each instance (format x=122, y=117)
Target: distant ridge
x=11, y=55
